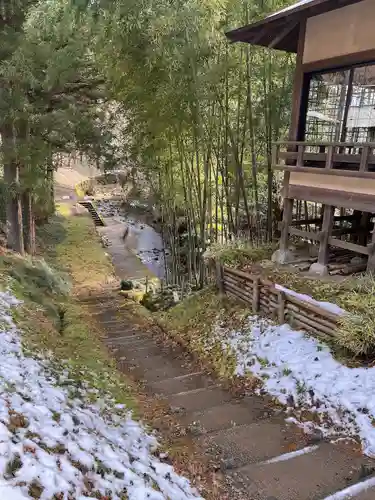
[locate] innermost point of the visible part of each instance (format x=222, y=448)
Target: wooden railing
x=340, y=158
x=262, y=296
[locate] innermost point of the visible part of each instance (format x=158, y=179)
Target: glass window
x=326, y=106
x=341, y=106
x=361, y=110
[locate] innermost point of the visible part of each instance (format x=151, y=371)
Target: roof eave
x=281, y=30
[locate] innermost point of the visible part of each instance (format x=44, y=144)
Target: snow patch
x=302, y=373
x=328, y=306
x=352, y=491
x=292, y=454
x=56, y=436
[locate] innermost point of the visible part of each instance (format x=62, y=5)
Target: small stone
x=315, y=437
x=176, y=409
x=290, y=400
x=227, y=464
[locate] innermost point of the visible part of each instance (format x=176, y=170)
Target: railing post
x=329, y=158
x=256, y=294
x=371, y=255
x=219, y=278
x=281, y=307
x=300, y=153
x=363, y=166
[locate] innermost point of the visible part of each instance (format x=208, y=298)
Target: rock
x=227, y=464
x=315, y=437
x=290, y=400
x=176, y=409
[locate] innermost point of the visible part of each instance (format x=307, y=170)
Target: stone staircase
x=89, y=205
x=261, y=456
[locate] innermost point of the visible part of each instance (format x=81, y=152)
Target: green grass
x=51, y=317
x=192, y=322
x=356, y=295
x=240, y=253
x=71, y=244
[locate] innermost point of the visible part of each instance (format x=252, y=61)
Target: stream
x=142, y=238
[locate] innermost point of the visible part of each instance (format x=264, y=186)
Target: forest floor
x=69, y=419
x=238, y=441
x=232, y=443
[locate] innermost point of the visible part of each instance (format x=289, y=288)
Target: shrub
x=356, y=333
x=238, y=253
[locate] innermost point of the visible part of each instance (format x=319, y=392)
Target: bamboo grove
x=202, y=115
x=197, y=115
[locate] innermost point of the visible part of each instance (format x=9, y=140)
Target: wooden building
x=329, y=157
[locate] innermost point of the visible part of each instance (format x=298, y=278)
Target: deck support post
x=371, y=256
x=283, y=255
x=321, y=267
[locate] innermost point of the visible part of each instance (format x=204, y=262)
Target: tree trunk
x=29, y=223
x=14, y=208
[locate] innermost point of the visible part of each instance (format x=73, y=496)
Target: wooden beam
x=318, y=220
x=340, y=61
x=298, y=84
x=363, y=202
x=363, y=165
x=328, y=213
x=287, y=219
x=311, y=235
x=322, y=157
x=322, y=171
x=371, y=254
x=346, y=245
x=288, y=28
x=326, y=143
x=293, y=135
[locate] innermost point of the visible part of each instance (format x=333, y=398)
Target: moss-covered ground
x=52, y=317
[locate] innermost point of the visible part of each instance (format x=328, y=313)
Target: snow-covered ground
x=301, y=373
x=61, y=439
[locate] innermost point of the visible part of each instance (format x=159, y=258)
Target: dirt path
x=260, y=456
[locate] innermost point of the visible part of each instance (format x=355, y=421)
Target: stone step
x=182, y=383
x=125, y=332
x=161, y=373
x=224, y=416
x=199, y=399
x=127, y=340
x=160, y=359
x=138, y=353
x=116, y=324
x=254, y=442
x=311, y=476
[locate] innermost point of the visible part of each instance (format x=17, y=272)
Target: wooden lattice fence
x=263, y=297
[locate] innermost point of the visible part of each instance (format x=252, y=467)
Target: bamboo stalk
x=308, y=322
x=281, y=307
x=236, y=282
x=238, y=285
x=317, y=318
x=309, y=329
x=311, y=307
x=256, y=294
x=243, y=292
x=241, y=274
x=235, y=297
x=235, y=294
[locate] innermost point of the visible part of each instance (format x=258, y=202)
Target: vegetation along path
x=246, y=440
